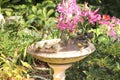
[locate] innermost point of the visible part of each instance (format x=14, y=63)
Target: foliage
x=14, y=39
x=15, y=36
x=9, y=69
x=107, y=6
x=41, y=17
x=103, y=64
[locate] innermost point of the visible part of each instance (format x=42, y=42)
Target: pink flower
x=113, y=20
x=118, y=22
x=103, y=22
x=111, y=23
x=69, y=15
x=112, y=33
x=93, y=17
x=90, y=16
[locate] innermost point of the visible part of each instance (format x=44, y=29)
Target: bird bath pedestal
x=61, y=60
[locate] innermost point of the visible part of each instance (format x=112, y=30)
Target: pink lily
x=112, y=33
x=69, y=15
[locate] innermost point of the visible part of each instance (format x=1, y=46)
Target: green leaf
x=48, y=3
x=56, y=14
x=25, y=51
x=39, y=12
x=23, y=6
x=8, y=13
x=25, y=64
x=34, y=9
x=50, y=12
x=30, y=1
x=31, y=16
x=44, y=12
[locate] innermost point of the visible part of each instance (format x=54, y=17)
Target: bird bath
x=61, y=60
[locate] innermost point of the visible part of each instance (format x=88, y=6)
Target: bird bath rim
x=62, y=57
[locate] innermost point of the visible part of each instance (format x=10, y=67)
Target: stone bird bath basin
x=61, y=60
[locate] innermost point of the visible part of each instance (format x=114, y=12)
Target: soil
x=41, y=70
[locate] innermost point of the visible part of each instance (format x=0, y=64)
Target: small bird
x=80, y=45
x=90, y=35
x=81, y=40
